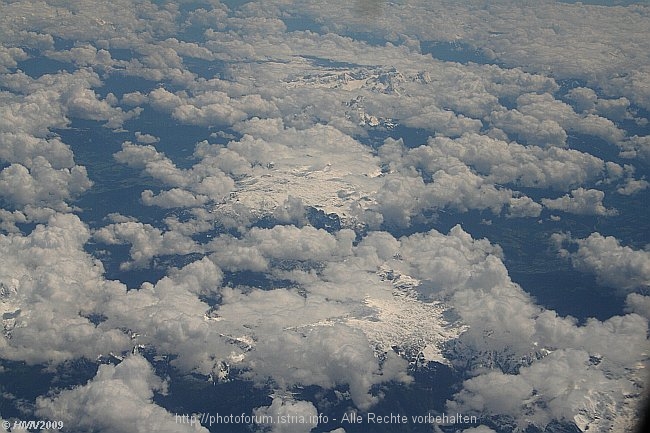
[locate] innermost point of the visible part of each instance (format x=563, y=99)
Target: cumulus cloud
x=263, y=331
x=636, y=147
x=326, y=169
x=9, y=56
x=584, y=98
x=146, y=241
x=175, y=197
x=306, y=352
x=66, y=94
x=639, y=304
x=587, y=101
x=211, y=107
x=85, y=55
x=524, y=207
x=546, y=108
x=50, y=287
x=146, y=138
x=582, y=202
x=22, y=148
x=526, y=166
x=41, y=170
x=521, y=35
x=633, y=186
x=616, y=265
x=298, y=416
x=419, y=179
x=42, y=184
x=192, y=187
x=85, y=104
x=530, y=129
x=170, y=317
x=466, y=173
x=562, y=386
x=118, y=399
x=513, y=336
x=325, y=356
x=541, y=119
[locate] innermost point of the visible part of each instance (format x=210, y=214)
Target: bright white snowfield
x=324, y=216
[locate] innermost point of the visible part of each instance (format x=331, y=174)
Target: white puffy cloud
x=210, y=107
x=50, y=287
x=35, y=111
x=616, y=109
x=546, y=108
x=419, y=180
x=263, y=331
x=288, y=416
x=270, y=334
x=64, y=94
x=639, y=304
x=85, y=104
x=154, y=163
x=509, y=337
x=292, y=210
x=10, y=56
x=545, y=40
x=84, y=55
x=194, y=187
x=636, y=147
x=22, y=148
x=238, y=257
x=170, y=317
x=581, y=201
x=175, y=197
x=562, y=386
x=41, y=170
x=465, y=173
x=502, y=162
x=529, y=129
x=395, y=83
x=632, y=186
x=326, y=356
x=615, y=265
x=133, y=99
x=524, y=207
x=584, y=98
x=118, y=399
x=42, y=185
x=9, y=219
x=470, y=276
x=615, y=341
x=282, y=243
x=89, y=21
x=146, y=241
x=541, y=119
x=146, y=138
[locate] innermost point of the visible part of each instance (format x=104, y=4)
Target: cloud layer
x=311, y=178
